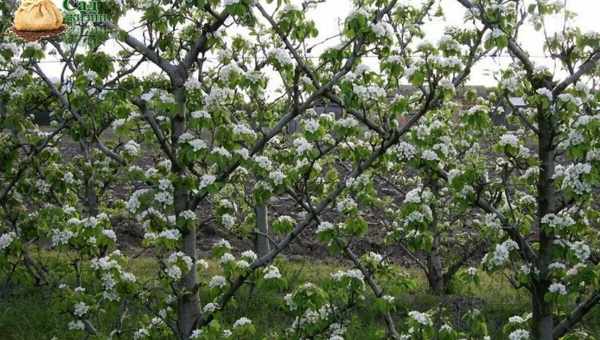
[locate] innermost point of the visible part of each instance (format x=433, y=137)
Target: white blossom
x=200, y=114
x=263, y=162
x=429, y=155
x=348, y=122
x=519, y=334
x=324, y=226
x=243, y=152
x=271, y=272
x=210, y=307
x=141, y=334
x=174, y=272
x=404, y=151
x=192, y=83
x=241, y=322
x=422, y=318
x=346, y=204
x=226, y=258
x=572, y=177
x=196, y=334
x=250, y=255
x=229, y=70
x=176, y=256
x=581, y=250
x=188, y=215
x=388, y=298
x=497, y=33
x=241, y=129
x=117, y=123
x=217, y=95
x=508, y=139
x=228, y=221
x=197, y=144
x=80, y=309
x=221, y=151
x=7, y=239
x=223, y=243
x=355, y=274
x=502, y=252
x=382, y=29
x=206, y=180
x=90, y=75
x=516, y=319
x=60, y=237
x=68, y=178
x=302, y=145
x=277, y=176
x=76, y=325
x=557, y=221
x=371, y=92
x=132, y=148
x=170, y=234
x=413, y=196
x=311, y=125
x=281, y=55
x=545, y=92
x=110, y=234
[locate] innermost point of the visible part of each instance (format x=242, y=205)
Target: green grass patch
x=33, y=313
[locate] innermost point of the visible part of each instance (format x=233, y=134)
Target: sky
x=329, y=14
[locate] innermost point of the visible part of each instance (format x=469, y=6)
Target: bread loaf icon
x=38, y=15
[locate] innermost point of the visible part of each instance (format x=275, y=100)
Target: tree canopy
x=207, y=112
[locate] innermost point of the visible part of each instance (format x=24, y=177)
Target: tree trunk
x=435, y=269
x=435, y=274
x=2, y=108
x=262, y=244
x=188, y=304
x=91, y=196
x=543, y=320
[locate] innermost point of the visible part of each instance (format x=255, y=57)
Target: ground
x=32, y=313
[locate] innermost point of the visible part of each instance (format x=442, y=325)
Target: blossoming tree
x=540, y=202
x=201, y=135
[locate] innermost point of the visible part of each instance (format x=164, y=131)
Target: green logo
x=84, y=12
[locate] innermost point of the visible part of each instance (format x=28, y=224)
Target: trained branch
x=513, y=47
x=146, y=51
x=377, y=290
x=580, y=311
x=583, y=69
x=199, y=45
x=65, y=103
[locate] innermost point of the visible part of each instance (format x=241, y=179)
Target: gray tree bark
x=435, y=268
x=91, y=196
x=188, y=304
x=543, y=320
x=262, y=245
x=435, y=274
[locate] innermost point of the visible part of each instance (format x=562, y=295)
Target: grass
x=29, y=313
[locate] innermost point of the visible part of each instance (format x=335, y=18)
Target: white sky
x=329, y=14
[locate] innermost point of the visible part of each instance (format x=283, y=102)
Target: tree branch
x=146, y=51
x=583, y=69
x=580, y=311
